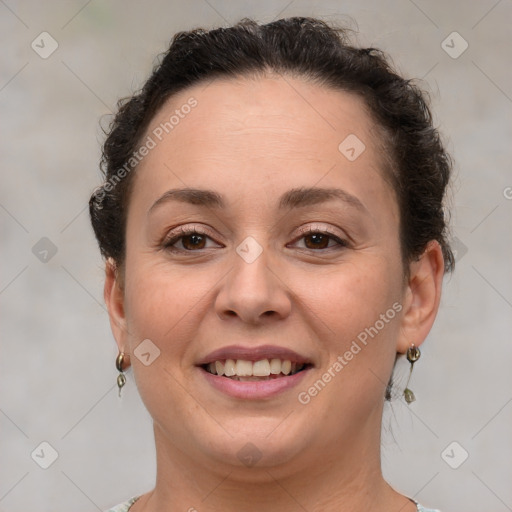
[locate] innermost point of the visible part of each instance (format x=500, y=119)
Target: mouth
x=254, y=373
x=243, y=370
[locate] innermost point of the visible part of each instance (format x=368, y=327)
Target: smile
x=243, y=370
x=253, y=373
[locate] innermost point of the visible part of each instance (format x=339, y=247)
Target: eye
x=315, y=239
x=191, y=239
x=195, y=239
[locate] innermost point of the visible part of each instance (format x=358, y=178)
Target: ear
x=114, y=299
x=422, y=297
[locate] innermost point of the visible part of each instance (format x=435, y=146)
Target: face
x=288, y=252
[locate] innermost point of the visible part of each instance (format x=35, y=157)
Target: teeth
x=286, y=367
x=219, y=368
x=229, y=368
x=261, y=368
x=242, y=369
x=275, y=366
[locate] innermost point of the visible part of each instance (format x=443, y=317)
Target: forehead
x=275, y=109
x=261, y=132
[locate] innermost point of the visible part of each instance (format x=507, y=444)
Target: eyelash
x=184, y=232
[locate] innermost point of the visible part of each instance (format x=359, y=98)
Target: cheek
x=162, y=306
x=360, y=324
x=162, y=303
x=353, y=297
x=358, y=316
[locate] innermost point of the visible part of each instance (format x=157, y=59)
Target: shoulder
x=125, y=506
x=423, y=509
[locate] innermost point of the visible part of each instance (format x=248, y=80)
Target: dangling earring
x=413, y=354
x=121, y=379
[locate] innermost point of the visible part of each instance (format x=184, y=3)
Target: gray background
x=57, y=362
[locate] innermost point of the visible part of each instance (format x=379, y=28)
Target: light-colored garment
x=124, y=507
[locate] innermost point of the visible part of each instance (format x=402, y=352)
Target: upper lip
x=253, y=354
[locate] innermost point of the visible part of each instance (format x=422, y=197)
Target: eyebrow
x=294, y=198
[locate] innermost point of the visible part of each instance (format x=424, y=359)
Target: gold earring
x=413, y=354
x=121, y=379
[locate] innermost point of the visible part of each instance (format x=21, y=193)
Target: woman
x=273, y=228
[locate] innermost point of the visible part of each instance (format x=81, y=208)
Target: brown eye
x=318, y=241
x=195, y=241
x=186, y=241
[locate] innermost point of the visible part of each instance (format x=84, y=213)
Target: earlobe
x=422, y=297
x=114, y=299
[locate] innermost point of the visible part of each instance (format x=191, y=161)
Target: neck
x=347, y=478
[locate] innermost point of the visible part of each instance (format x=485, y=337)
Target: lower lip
x=253, y=390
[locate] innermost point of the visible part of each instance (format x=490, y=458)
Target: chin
x=259, y=443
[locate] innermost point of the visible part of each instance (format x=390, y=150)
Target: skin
x=251, y=140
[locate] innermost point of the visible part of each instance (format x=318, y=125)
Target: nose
x=253, y=291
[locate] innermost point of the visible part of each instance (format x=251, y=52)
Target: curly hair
x=419, y=167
